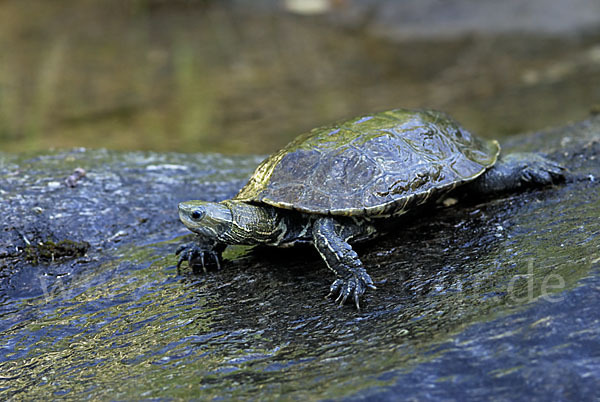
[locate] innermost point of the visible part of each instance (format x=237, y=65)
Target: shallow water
x=488, y=299
x=245, y=77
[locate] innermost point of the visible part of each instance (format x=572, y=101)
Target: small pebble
x=77, y=174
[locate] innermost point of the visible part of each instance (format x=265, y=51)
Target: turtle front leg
x=352, y=278
x=517, y=170
x=199, y=254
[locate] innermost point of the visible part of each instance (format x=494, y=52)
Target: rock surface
x=487, y=297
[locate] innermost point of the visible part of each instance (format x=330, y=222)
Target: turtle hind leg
x=519, y=170
x=351, y=277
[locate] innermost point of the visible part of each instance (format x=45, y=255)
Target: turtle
x=331, y=186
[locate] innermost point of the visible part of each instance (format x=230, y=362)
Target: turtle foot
x=520, y=170
x=354, y=286
x=197, y=257
x=540, y=170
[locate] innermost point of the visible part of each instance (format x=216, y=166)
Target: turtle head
x=208, y=219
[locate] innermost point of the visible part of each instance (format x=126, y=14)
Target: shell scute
x=379, y=164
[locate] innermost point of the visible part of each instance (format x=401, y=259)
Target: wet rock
x=108, y=199
x=492, y=296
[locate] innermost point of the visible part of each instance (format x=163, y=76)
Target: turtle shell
x=379, y=164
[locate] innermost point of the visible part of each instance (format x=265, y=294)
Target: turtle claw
x=196, y=257
x=217, y=260
x=335, y=287
x=356, y=285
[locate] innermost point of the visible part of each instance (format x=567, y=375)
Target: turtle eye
x=197, y=214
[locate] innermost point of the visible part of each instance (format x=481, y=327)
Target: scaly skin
x=236, y=222
x=352, y=278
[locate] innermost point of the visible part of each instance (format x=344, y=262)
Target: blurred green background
x=247, y=76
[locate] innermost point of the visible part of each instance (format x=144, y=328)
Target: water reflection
x=246, y=77
x=132, y=328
